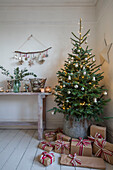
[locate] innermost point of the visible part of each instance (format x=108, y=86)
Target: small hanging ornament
x=67, y=101
x=76, y=65
x=105, y=93
x=95, y=100
x=84, y=73
x=93, y=78
x=69, y=77
x=69, y=92
x=93, y=59
x=76, y=86
x=82, y=88
x=30, y=63
x=72, y=58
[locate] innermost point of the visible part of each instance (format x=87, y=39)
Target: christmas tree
x=79, y=92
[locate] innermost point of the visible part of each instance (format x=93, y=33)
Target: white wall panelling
x=52, y=25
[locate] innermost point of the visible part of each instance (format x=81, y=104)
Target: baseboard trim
x=18, y=125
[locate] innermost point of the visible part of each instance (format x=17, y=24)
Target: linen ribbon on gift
x=49, y=134
x=97, y=135
x=61, y=145
x=74, y=160
x=45, y=155
x=44, y=144
x=60, y=136
x=102, y=150
x=81, y=142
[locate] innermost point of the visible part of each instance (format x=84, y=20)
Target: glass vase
x=16, y=86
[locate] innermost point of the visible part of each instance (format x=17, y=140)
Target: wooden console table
x=41, y=109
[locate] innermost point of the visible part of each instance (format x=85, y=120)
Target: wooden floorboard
x=14, y=160
x=19, y=151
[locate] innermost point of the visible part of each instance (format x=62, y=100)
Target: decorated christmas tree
x=79, y=92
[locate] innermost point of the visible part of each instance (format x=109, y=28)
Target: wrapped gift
x=103, y=149
x=81, y=147
x=63, y=137
x=50, y=136
x=46, y=158
x=58, y=130
x=62, y=147
x=82, y=161
x=98, y=129
x=45, y=145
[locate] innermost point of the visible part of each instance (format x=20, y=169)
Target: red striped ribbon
x=81, y=142
x=97, y=135
x=60, y=144
x=74, y=160
x=102, y=150
x=49, y=134
x=44, y=144
x=45, y=155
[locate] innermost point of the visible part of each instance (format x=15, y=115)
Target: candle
x=42, y=90
x=48, y=89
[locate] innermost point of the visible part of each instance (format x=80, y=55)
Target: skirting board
x=29, y=125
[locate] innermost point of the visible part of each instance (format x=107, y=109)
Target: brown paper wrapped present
x=45, y=145
x=81, y=147
x=46, y=158
x=50, y=136
x=82, y=161
x=62, y=147
x=98, y=130
x=103, y=149
x=61, y=136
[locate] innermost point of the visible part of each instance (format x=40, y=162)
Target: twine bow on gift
x=61, y=136
x=82, y=142
x=102, y=150
x=61, y=145
x=45, y=155
x=44, y=144
x=97, y=135
x=74, y=160
x=49, y=134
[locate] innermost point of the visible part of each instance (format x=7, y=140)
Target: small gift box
x=98, y=130
x=63, y=137
x=82, y=161
x=103, y=149
x=62, y=147
x=58, y=130
x=45, y=145
x=81, y=147
x=50, y=136
x=46, y=158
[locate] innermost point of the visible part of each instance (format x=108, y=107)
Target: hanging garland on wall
x=31, y=57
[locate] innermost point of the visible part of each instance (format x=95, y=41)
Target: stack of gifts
x=78, y=152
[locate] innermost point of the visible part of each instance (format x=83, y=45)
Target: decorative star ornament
x=105, y=52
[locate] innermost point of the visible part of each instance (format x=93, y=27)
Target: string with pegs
x=31, y=57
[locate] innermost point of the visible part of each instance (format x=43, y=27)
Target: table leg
x=40, y=117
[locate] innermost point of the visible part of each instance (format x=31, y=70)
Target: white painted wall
x=104, y=26
x=52, y=25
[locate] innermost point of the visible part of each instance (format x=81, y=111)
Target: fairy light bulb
x=67, y=101
x=69, y=62
x=82, y=88
x=86, y=59
x=64, y=85
x=84, y=68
